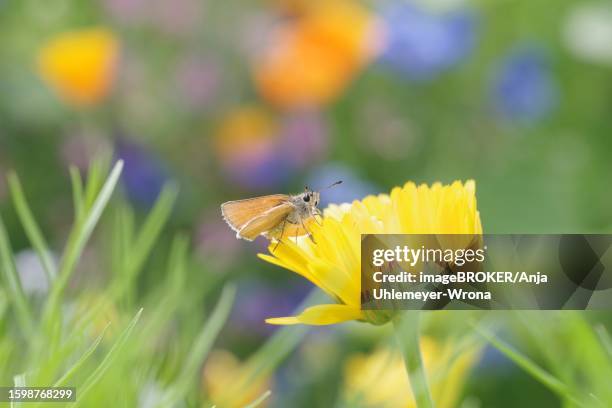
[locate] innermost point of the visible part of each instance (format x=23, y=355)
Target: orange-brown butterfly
x=273, y=216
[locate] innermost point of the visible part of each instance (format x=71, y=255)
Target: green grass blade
x=108, y=359
x=31, y=227
x=277, y=348
x=122, y=241
x=79, y=237
x=531, y=368
x=605, y=339
x=201, y=347
x=152, y=227
x=15, y=289
x=94, y=181
x=146, y=238
x=63, y=380
x=77, y=193
x=406, y=327
x=259, y=400
x=3, y=304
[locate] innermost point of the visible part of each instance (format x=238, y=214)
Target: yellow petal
x=321, y=315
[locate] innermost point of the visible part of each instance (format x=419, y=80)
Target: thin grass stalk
x=406, y=327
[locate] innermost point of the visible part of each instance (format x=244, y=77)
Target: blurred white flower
x=588, y=32
x=31, y=272
x=150, y=395
x=440, y=5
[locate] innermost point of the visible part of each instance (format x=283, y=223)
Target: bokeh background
x=227, y=100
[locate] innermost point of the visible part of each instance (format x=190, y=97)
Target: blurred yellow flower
x=380, y=379
x=248, y=131
x=222, y=372
x=80, y=65
x=101, y=312
x=333, y=263
x=312, y=57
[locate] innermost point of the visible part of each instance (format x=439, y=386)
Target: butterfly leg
x=307, y=232
x=316, y=213
x=278, y=240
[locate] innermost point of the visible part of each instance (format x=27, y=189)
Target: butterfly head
x=311, y=198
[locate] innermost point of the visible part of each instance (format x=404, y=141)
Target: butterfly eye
x=306, y=198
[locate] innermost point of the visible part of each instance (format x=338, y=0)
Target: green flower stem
x=406, y=327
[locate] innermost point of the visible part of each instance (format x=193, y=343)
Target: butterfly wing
x=238, y=213
x=265, y=222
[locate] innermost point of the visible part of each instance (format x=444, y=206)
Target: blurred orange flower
x=80, y=65
x=313, y=57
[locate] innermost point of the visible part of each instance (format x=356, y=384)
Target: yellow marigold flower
x=80, y=65
x=222, y=372
x=333, y=263
x=312, y=58
x=380, y=379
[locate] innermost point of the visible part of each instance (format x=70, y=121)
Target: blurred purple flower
x=523, y=88
x=248, y=145
x=260, y=173
x=216, y=242
x=198, y=80
x=304, y=137
x=80, y=148
x=259, y=302
x=258, y=151
x=352, y=187
x=422, y=43
x=128, y=11
x=176, y=17
x=144, y=175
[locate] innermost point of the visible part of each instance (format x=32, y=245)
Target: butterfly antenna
x=333, y=184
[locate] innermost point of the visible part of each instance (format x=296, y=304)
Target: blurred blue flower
x=421, y=43
x=523, y=88
x=144, y=175
x=261, y=174
x=352, y=187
